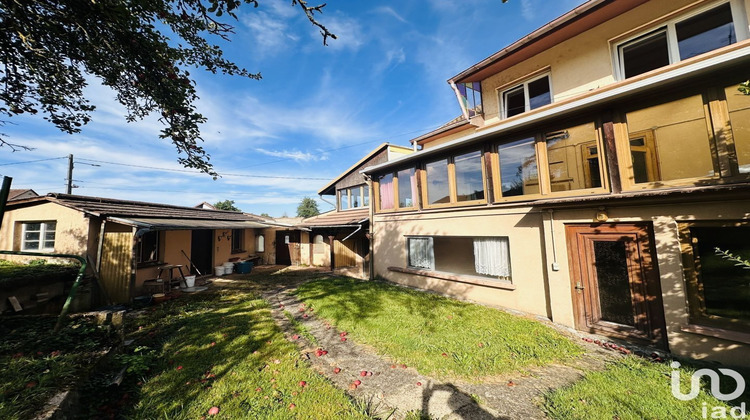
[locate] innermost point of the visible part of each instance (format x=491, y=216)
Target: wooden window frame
x=349, y=191
x=542, y=162
x=694, y=288
x=721, y=142
x=396, y=207
x=453, y=202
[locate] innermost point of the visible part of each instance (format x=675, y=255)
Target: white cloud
x=349, y=33
x=295, y=155
x=389, y=11
x=528, y=9
x=270, y=34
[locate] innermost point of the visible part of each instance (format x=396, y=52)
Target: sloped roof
x=443, y=130
x=383, y=146
x=110, y=207
x=13, y=193
x=338, y=218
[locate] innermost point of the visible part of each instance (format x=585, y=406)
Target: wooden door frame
x=650, y=328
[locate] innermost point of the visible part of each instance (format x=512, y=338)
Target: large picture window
x=398, y=190
x=353, y=197
x=38, y=236
x=573, y=158
x=518, y=170
x=679, y=39
x=457, y=179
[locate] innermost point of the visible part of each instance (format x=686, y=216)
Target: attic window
x=678, y=40
x=471, y=97
x=529, y=95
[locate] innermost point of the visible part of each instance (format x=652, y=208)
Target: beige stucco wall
x=71, y=232
x=526, y=247
x=542, y=291
x=579, y=64
x=465, y=132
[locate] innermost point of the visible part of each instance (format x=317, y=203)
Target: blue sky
x=316, y=111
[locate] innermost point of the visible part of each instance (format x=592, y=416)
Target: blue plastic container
x=244, y=267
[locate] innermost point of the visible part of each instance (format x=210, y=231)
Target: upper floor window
x=398, y=190
x=455, y=179
x=677, y=40
x=526, y=96
x=38, y=236
x=354, y=197
x=471, y=97
x=571, y=158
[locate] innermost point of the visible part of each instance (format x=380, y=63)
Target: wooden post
x=331, y=238
x=613, y=169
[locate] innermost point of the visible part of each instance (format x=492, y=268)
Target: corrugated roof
x=338, y=218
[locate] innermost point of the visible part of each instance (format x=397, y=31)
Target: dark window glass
x=238, y=240
x=469, y=182
x=645, y=54
x=539, y=93
x=148, y=247
x=726, y=286
x=356, y=198
x=705, y=32
x=438, y=190
x=515, y=101
x=615, y=300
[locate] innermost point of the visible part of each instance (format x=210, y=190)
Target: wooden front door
x=616, y=290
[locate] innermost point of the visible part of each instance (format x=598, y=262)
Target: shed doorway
x=201, y=247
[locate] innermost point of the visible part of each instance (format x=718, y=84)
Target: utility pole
x=70, y=174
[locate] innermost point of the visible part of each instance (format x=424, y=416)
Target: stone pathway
x=399, y=389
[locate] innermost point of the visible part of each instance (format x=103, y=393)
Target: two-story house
x=340, y=238
x=599, y=170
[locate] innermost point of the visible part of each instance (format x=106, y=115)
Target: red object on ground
x=213, y=411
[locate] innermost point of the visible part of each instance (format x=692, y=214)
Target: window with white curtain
x=492, y=257
x=487, y=257
x=421, y=254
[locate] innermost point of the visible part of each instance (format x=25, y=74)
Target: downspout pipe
x=73, y=289
x=323, y=199
x=352, y=234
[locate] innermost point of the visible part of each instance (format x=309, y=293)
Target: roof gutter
x=352, y=234
x=609, y=93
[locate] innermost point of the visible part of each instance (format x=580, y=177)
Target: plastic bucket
x=228, y=267
x=244, y=267
x=219, y=270
x=190, y=281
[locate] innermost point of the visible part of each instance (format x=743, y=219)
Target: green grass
x=224, y=350
x=299, y=328
x=37, y=363
x=436, y=335
x=629, y=389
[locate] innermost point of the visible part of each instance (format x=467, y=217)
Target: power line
x=197, y=172
x=32, y=161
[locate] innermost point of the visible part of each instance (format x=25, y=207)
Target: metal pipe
x=352, y=234
x=76, y=283
x=321, y=197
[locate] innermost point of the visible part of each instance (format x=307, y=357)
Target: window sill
x=717, y=333
x=148, y=264
x=238, y=251
x=497, y=284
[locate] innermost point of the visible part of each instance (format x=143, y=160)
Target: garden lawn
x=629, y=389
x=438, y=336
x=37, y=363
x=223, y=350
